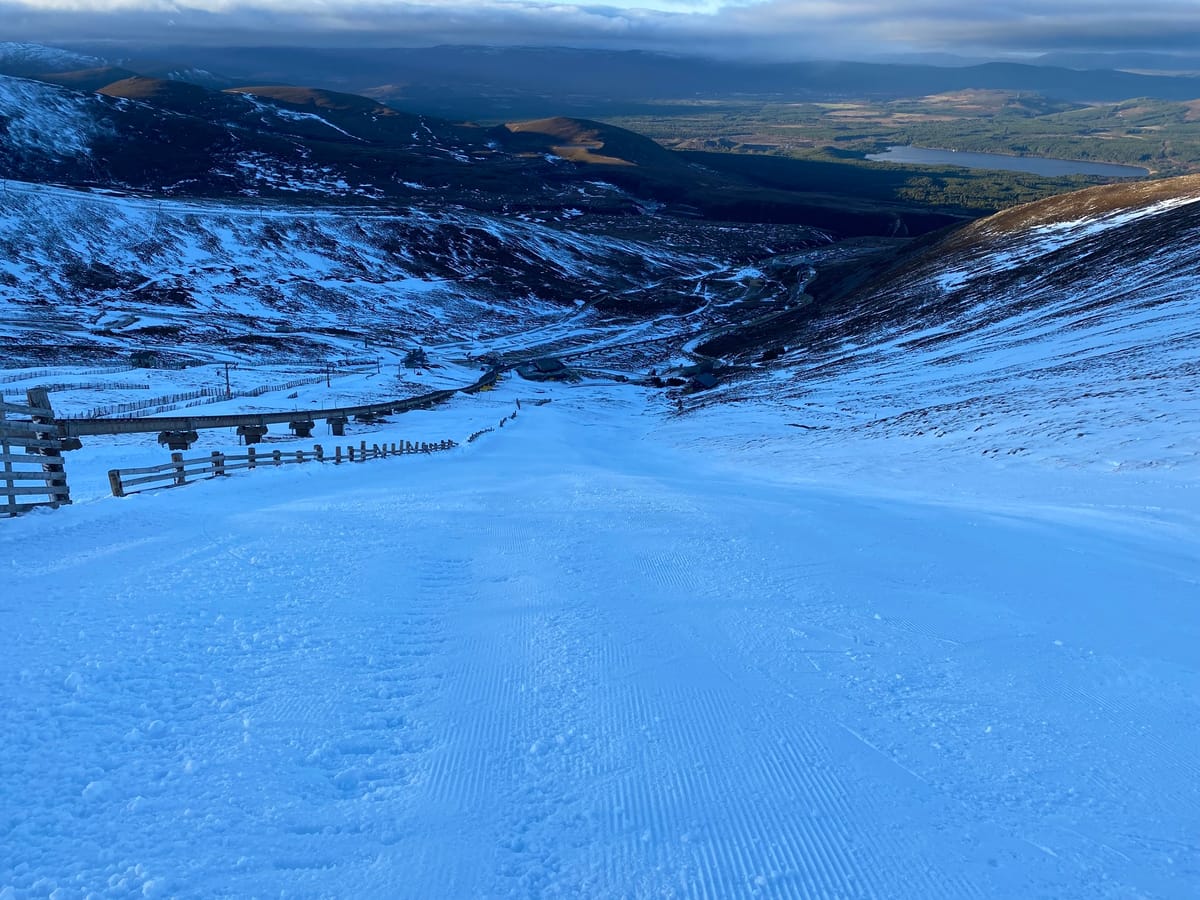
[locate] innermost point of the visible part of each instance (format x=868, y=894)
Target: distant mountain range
x=491, y=83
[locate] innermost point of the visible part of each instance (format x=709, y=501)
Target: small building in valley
x=546, y=368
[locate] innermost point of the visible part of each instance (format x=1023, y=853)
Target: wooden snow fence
x=482, y=431
x=31, y=464
x=178, y=471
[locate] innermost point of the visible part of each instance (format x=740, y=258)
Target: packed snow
x=596, y=653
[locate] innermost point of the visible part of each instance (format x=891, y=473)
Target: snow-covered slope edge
x=1066, y=332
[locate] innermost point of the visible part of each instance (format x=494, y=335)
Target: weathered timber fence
x=83, y=427
x=169, y=402
x=482, y=431
x=25, y=442
x=177, y=472
x=476, y=435
x=94, y=386
x=30, y=374
x=217, y=464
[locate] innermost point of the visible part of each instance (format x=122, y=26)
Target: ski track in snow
x=576, y=659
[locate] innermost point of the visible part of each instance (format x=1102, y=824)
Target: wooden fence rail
x=29, y=442
x=177, y=472
x=84, y=427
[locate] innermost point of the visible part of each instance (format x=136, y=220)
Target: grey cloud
x=775, y=29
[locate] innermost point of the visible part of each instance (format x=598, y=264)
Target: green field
x=1159, y=135
x=821, y=147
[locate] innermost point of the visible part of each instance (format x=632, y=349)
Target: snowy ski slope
x=584, y=657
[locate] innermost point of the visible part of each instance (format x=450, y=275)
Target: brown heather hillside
x=87, y=79
x=995, y=261
x=1094, y=201
x=177, y=96
x=584, y=141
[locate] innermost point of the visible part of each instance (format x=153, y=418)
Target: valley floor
x=594, y=654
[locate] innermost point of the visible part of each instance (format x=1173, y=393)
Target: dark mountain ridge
x=180, y=139
x=491, y=82
x=497, y=83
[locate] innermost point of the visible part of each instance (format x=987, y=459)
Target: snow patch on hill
x=29, y=58
x=107, y=271
x=45, y=120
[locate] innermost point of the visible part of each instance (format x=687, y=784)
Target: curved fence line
x=93, y=426
x=175, y=473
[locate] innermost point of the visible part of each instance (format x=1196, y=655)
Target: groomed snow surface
x=595, y=654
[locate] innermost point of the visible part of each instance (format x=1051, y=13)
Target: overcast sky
x=774, y=28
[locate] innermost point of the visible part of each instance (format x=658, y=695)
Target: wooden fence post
x=177, y=459
x=350, y=453
x=251, y=460
x=8, y=466
x=320, y=452
x=39, y=398
x=337, y=455
x=218, y=463
x=299, y=456
x=362, y=449
x=277, y=457
x=114, y=482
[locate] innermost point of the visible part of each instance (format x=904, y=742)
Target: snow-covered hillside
x=1067, y=332
x=23, y=57
x=44, y=124
x=97, y=274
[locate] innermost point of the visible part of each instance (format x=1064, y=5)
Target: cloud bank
x=776, y=29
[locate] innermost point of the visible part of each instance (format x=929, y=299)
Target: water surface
x=1038, y=165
